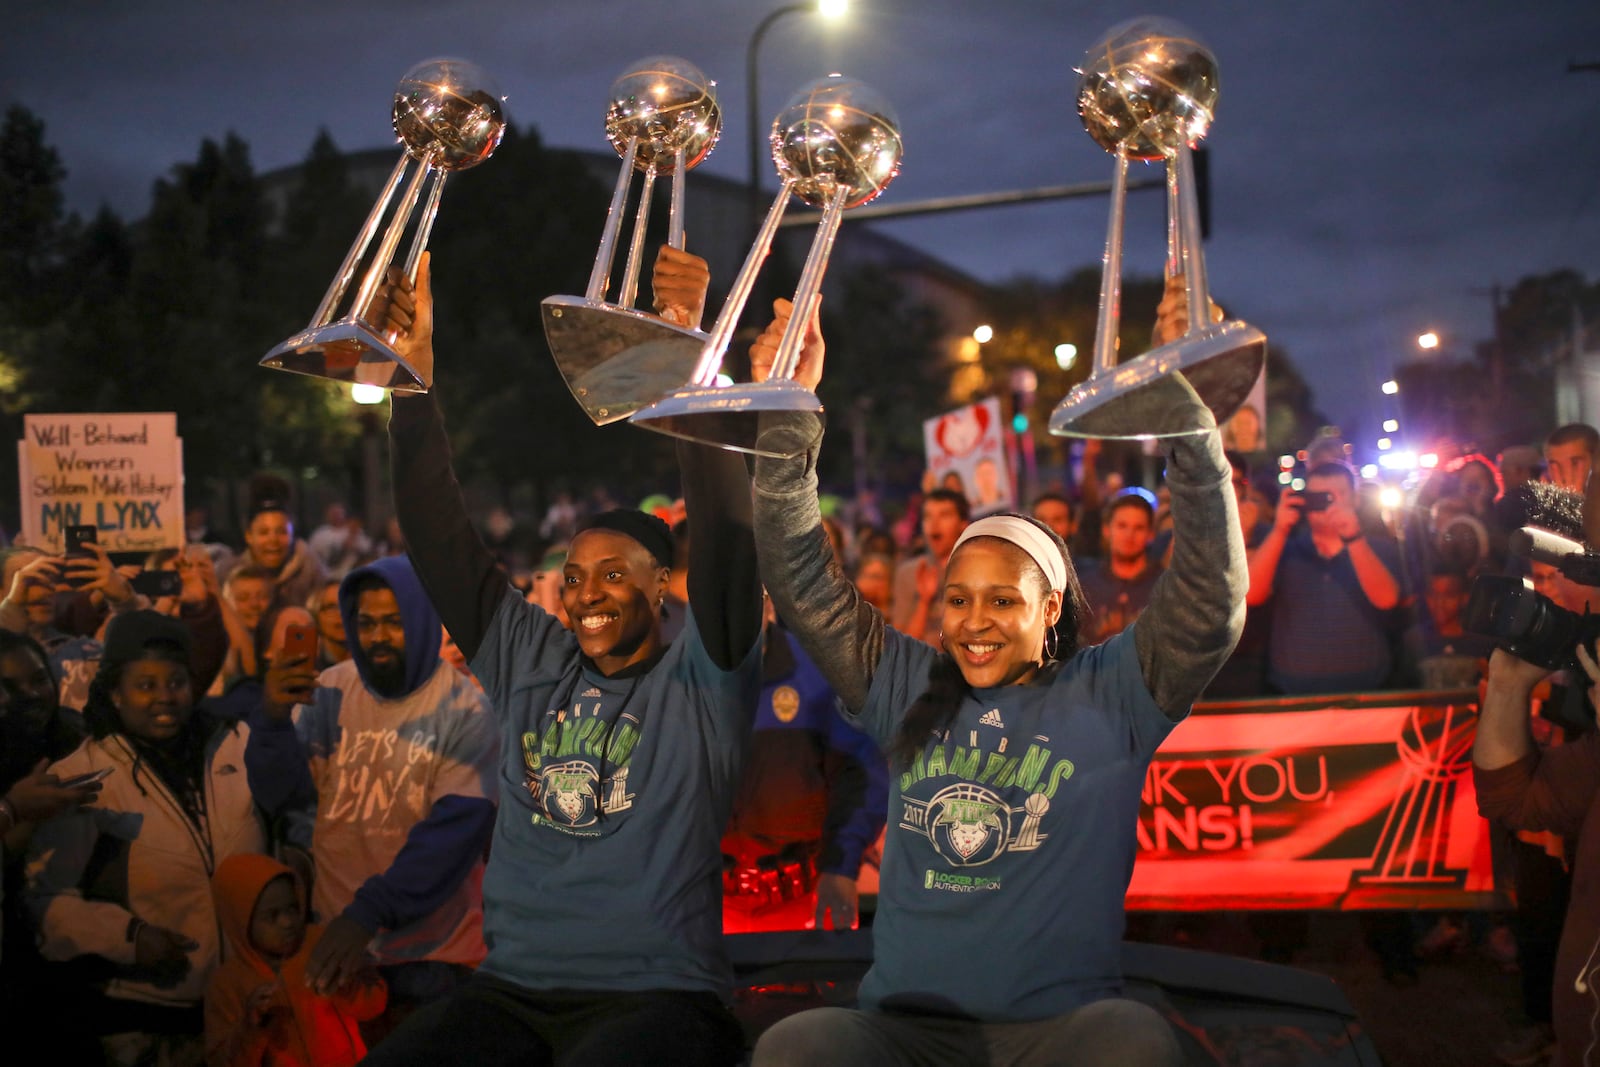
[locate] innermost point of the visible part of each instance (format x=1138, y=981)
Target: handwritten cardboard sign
x=122, y=474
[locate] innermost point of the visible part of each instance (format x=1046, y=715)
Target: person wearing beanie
x=602, y=898
x=126, y=878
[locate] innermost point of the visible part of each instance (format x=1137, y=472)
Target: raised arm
x=839, y=630
x=462, y=578
x=1519, y=784
x=724, y=586
x=1196, y=609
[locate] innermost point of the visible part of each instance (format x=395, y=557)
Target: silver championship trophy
x=837, y=146
x=663, y=118
x=447, y=115
x=1147, y=92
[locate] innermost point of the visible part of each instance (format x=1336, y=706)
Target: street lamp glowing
x=1391, y=387
x=983, y=334
x=367, y=394
x=1391, y=425
x=832, y=9
x=1066, y=356
x=1428, y=340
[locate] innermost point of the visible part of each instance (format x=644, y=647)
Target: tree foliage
x=174, y=311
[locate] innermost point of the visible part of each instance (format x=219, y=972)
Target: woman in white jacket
x=122, y=886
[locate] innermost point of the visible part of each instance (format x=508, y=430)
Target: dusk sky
x=1376, y=166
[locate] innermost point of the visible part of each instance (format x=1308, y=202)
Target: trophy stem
x=705, y=373
x=1174, y=234
x=430, y=211
x=347, y=269
x=1105, y=330
x=1194, y=260
x=600, y=277
x=391, y=240
x=675, y=204
x=630, y=273
x=810, y=287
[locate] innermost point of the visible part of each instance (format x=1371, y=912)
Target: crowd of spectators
x=298, y=696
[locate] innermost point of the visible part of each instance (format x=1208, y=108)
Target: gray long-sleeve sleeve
x=839, y=630
x=1196, y=609
x=1194, y=618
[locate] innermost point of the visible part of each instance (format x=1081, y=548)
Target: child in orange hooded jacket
x=259, y=1009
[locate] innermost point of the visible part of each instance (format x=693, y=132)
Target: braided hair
x=933, y=712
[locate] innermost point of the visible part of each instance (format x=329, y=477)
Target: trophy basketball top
x=447, y=114
x=1149, y=86
x=664, y=104
x=837, y=133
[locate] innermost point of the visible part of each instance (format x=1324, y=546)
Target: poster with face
x=966, y=452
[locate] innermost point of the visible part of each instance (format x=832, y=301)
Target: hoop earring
x=1052, y=643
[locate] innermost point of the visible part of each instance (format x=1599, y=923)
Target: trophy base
x=1142, y=399
x=616, y=360
x=347, y=351
x=728, y=417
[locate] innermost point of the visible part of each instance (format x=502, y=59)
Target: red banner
x=1338, y=802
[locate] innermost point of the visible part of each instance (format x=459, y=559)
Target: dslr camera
x=1525, y=623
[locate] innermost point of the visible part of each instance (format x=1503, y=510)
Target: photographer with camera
x=1328, y=586
x=1531, y=787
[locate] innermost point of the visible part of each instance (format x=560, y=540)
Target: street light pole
x=752, y=104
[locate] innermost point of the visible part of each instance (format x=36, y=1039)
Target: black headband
x=649, y=531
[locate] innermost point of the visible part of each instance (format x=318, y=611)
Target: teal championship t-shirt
x=1011, y=838
x=606, y=867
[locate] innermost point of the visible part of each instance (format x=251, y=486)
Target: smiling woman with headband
x=1017, y=759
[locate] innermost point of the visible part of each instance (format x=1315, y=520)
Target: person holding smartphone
x=1329, y=586
x=123, y=883
x=33, y=735
x=35, y=585
x=402, y=753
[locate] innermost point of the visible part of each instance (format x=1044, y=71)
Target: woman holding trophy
x=602, y=897
x=1019, y=760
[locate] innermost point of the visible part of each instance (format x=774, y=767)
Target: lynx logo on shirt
x=562, y=767
x=970, y=825
x=568, y=793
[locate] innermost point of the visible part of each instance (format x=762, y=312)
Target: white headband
x=1026, y=536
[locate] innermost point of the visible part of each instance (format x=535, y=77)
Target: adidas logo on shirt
x=992, y=718
x=590, y=693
